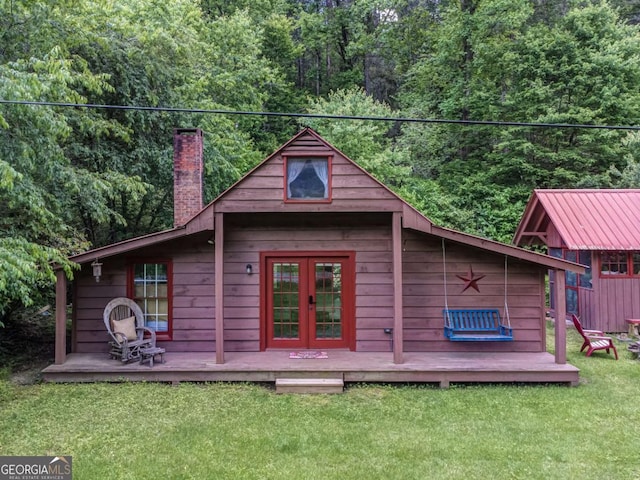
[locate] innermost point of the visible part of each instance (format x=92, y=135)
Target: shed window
x=149, y=285
x=635, y=260
x=573, y=281
x=308, y=179
x=619, y=264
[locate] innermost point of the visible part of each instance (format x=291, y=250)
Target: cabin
x=599, y=229
x=310, y=267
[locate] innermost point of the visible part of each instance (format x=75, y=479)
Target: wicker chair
x=124, y=321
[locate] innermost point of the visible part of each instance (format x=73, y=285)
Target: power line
x=318, y=115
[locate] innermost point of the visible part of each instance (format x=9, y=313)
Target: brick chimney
x=187, y=174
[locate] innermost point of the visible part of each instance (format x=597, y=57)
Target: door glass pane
x=328, y=285
x=286, y=292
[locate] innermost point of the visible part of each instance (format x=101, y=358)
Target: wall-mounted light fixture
x=249, y=269
x=97, y=269
x=389, y=331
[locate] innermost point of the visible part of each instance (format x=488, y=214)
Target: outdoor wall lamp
x=389, y=331
x=249, y=269
x=97, y=269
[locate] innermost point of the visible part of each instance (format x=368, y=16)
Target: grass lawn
x=236, y=431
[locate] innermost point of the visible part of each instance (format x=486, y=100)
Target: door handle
x=311, y=302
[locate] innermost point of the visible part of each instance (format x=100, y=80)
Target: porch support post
x=398, y=337
x=219, y=288
x=561, y=314
x=61, y=317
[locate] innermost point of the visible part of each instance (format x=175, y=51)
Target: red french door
x=309, y=301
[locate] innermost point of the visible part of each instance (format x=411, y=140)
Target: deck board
x=442, y=368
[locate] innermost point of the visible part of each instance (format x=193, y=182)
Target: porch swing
x=475, y=325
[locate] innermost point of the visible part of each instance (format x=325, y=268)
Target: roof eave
x=129, y=245
x=506, y=249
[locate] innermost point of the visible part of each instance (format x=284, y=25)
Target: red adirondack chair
x=594, y=339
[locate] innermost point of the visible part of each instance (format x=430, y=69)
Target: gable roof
x=586, y=219
x=299, y=145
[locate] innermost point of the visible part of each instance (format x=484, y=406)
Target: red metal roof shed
x=587, y=219
x=604, y=227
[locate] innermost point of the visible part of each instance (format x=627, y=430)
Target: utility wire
x=318, y=115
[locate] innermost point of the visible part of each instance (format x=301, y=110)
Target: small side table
x=634, y=323
x=148, y=355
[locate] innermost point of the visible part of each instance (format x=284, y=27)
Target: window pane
x=636, y=262
x=572, y=301
x=555, y=252
x=328, y=279
x=613, y=263
x=286, y=300
x=585, y=259
x=307, y=178
x=152, y=294
x=571, y=277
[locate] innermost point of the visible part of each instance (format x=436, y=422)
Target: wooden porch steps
x=309, y=385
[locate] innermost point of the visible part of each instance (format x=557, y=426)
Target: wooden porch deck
x=440, y=368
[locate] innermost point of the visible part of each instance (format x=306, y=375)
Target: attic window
x=307, y=178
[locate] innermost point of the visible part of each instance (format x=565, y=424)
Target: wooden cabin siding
x=423, y=289
x=554, y=240
x=617, y=300
x=307, y=142
x=90, y=298
x=351, y=190
x=587, y=307
x=609, y=302
x=374, y=293
x=424, y=295
x=193, y=297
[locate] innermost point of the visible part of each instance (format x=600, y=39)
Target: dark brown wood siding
x=587, y=306
x=352, y=188
x=374, y=293
x=424, y=295
x=193, y=296
x=89, y=301
x=616, y=299
x=423, y=290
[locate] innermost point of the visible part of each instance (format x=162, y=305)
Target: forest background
x=75, y=178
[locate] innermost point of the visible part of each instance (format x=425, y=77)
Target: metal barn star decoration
x=470, y=280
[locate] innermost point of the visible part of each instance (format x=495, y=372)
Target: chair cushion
x=127, y=327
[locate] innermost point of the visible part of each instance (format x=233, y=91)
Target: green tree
x=71, y=178
x=493, y=60
x=583, y=70
x=36, y=229
x=365, y=142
